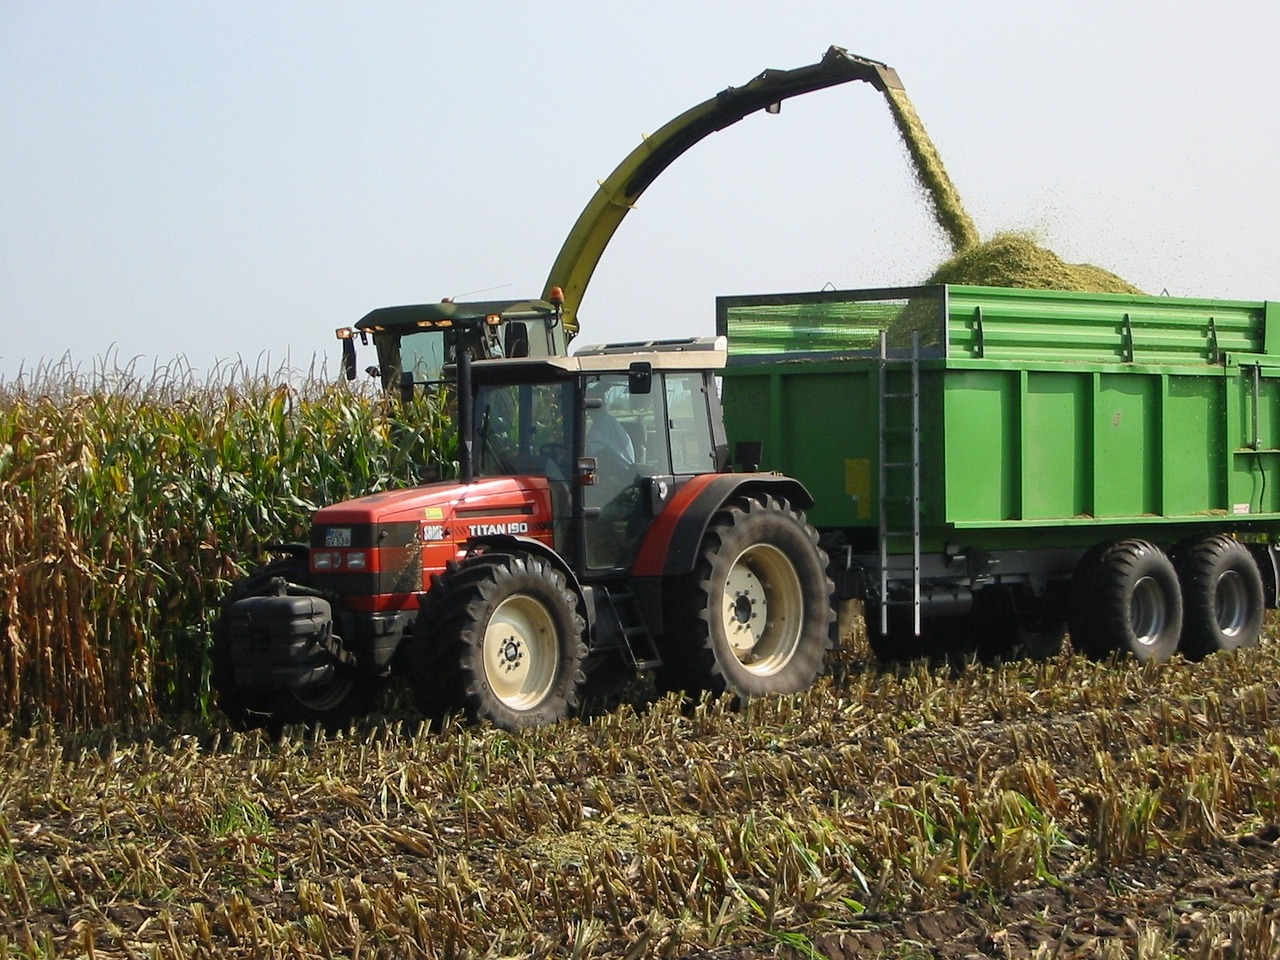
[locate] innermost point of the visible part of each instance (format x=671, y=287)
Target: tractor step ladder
x=899, y=411
x=636, y=641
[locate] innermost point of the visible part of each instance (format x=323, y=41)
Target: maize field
x=128, y=503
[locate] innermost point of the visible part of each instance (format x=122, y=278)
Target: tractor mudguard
x=514, y=543
x=670, y=548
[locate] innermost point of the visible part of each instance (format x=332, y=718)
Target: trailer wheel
x=350, y=694
x=510, y=644
x=757, y=606
x=1127, y=600
x=1222, y=596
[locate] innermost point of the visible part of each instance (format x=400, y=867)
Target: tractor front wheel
x=507, y=647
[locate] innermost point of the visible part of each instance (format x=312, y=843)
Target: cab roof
x=448, y=313
x=691, y=353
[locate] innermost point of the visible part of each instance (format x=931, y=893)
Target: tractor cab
x=615, y=430
x=415, y=343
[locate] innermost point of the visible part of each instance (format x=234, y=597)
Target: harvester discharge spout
x=619, y=191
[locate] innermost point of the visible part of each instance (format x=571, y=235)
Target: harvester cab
x=416, y=342
x=595, y=535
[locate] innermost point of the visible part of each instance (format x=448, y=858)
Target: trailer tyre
x=1222, y=596
x=756, y=615
x=1127, y=600
x=349, y=695
x=509, y=648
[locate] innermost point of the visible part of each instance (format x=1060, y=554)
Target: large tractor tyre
x=1127, y=600
x=349, y=695
x=755, y=616
x=509, y=644
x=1222, y=596
x=430, y=661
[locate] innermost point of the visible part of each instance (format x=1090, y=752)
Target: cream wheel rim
x=762, y=609
x=520, y=652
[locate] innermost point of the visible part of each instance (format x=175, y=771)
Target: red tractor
x=595, y=531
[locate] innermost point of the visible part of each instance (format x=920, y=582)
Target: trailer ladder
x=895, y=407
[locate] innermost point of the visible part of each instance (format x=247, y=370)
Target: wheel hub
x=744, y=605
x=762, y=609
x=1231, y=603
x=520, y=652
x=512, y=653
x=1149, y=611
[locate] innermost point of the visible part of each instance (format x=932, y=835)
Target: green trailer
x=994, y=465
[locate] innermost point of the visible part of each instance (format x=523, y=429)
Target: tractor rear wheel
x=507, y=647
x=1222, y=596
x=755, y=616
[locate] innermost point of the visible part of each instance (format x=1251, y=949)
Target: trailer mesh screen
x=831, y=322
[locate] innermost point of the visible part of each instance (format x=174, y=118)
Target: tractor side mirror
x=349, y=358
x=640, y=377
x=746, y=454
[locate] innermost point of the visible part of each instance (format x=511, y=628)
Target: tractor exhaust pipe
x=466, y=412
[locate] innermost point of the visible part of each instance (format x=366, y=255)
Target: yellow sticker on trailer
x=857, y=484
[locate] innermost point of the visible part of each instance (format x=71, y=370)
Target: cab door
x=625, y=438
x=644, y=444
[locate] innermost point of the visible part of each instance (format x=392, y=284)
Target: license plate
x=337, y=537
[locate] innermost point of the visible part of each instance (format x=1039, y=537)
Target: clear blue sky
x=216, y=180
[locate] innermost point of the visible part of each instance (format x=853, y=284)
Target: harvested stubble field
x=1061, y=809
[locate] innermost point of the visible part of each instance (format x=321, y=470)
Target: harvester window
x=420, y=354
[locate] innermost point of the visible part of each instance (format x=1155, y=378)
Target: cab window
x=627, y=426
x=689, y=421
x=524, y=428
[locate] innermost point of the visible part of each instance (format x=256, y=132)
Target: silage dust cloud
x=1008, y=259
